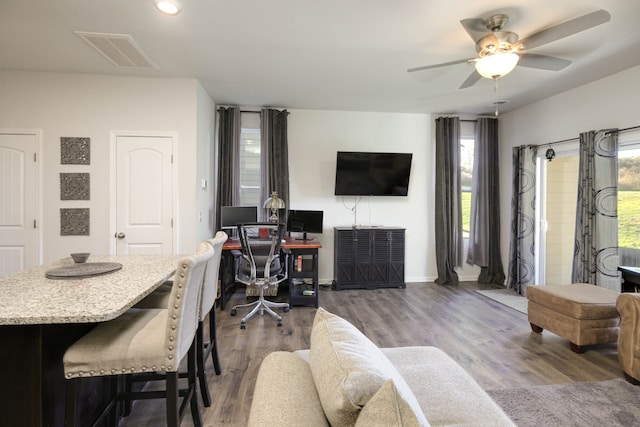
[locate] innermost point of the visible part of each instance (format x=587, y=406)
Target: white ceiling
x=329, y=54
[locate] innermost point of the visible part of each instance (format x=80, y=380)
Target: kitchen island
x=40, y=317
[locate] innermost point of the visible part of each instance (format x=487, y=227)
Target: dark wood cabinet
x=369, y=257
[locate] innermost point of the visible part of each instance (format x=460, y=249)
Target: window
x=467, y=144
x=250, y=179
x=629, y=197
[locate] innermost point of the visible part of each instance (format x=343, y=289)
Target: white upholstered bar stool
x=159, y=299
x=143, y=341
x=208, y=307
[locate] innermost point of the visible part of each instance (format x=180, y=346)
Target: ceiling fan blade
x=543, y=62
x=444, y=64
x=471, y=80
x=475, y=27
x=565, y=29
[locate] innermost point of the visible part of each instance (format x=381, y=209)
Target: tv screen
x=372, y=174
x=303, y=221
x=231, y=216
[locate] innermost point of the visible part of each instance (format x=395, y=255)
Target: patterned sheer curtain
x=595, y=258
x=448, y=215
x=484, y=235
x=228, y=159
x=523, y=204
x=274, y=162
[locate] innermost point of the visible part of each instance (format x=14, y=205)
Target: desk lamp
x=274, y=203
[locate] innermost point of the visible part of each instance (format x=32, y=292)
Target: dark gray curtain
x=448, y=215
x=523, y=205
x=228, y=159
x=596, y=245
x=274, y=155
x=484, y=235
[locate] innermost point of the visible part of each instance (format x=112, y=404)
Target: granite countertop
x=29, y=298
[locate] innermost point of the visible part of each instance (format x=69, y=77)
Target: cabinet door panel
x=379, y=273
x=396, y=244
x=396, y=273
x=344, y=275
x=363, y=256
x=380, y=257
x=346, y=248
x=344, y=257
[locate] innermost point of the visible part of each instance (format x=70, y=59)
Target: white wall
x=611, y=102
x=91, y=106
x=314, y=139
x=205, y=162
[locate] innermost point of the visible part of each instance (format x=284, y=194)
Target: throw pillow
x=348, y=369
x=389, y=408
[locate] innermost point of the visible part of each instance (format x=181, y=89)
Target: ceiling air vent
x=119, y=49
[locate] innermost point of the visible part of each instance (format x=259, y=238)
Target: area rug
x=507, y=297
x=601, y=403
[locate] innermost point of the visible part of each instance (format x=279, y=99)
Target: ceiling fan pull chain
x=497, y=97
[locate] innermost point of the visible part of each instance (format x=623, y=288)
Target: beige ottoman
x=581, y=313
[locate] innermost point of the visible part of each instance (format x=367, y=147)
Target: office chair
x=260, y=266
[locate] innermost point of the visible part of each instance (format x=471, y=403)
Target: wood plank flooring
x=492, y=342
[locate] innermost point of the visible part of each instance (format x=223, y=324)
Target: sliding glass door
x=557, y=192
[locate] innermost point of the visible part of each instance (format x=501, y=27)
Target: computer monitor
x=304, y=221
x=231, y=216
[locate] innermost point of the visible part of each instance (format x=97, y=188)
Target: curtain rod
x=474, y=120
x=554, y=142
x=577, y=139
x=625, y=129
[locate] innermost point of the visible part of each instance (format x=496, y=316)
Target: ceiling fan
x=500, y=50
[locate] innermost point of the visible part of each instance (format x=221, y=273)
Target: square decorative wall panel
x=74, y=222
x=75, y=151
x=75, y=186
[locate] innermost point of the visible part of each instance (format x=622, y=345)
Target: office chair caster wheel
x=243, y=325
x=234, y=312
x=279, y=322
x=285, y=309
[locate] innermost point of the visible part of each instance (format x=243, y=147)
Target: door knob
x=120, y=235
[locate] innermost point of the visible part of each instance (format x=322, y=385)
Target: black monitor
x=302, y=221
x=231, y=216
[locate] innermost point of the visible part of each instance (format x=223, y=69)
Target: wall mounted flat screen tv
x=372, y=174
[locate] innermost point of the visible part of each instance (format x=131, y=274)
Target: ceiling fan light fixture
x=168, y=7
x=497, y=65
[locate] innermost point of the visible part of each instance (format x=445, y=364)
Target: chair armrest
x=628, y=305
x=285, y=394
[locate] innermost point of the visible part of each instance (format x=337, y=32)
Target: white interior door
x=144, y=195
x=19, y=245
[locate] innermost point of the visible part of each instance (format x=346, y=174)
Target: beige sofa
x=345, y=380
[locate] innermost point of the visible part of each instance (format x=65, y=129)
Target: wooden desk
x=40, y=318
x=295, y=246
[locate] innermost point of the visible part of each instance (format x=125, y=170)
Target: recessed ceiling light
x=169, y=7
